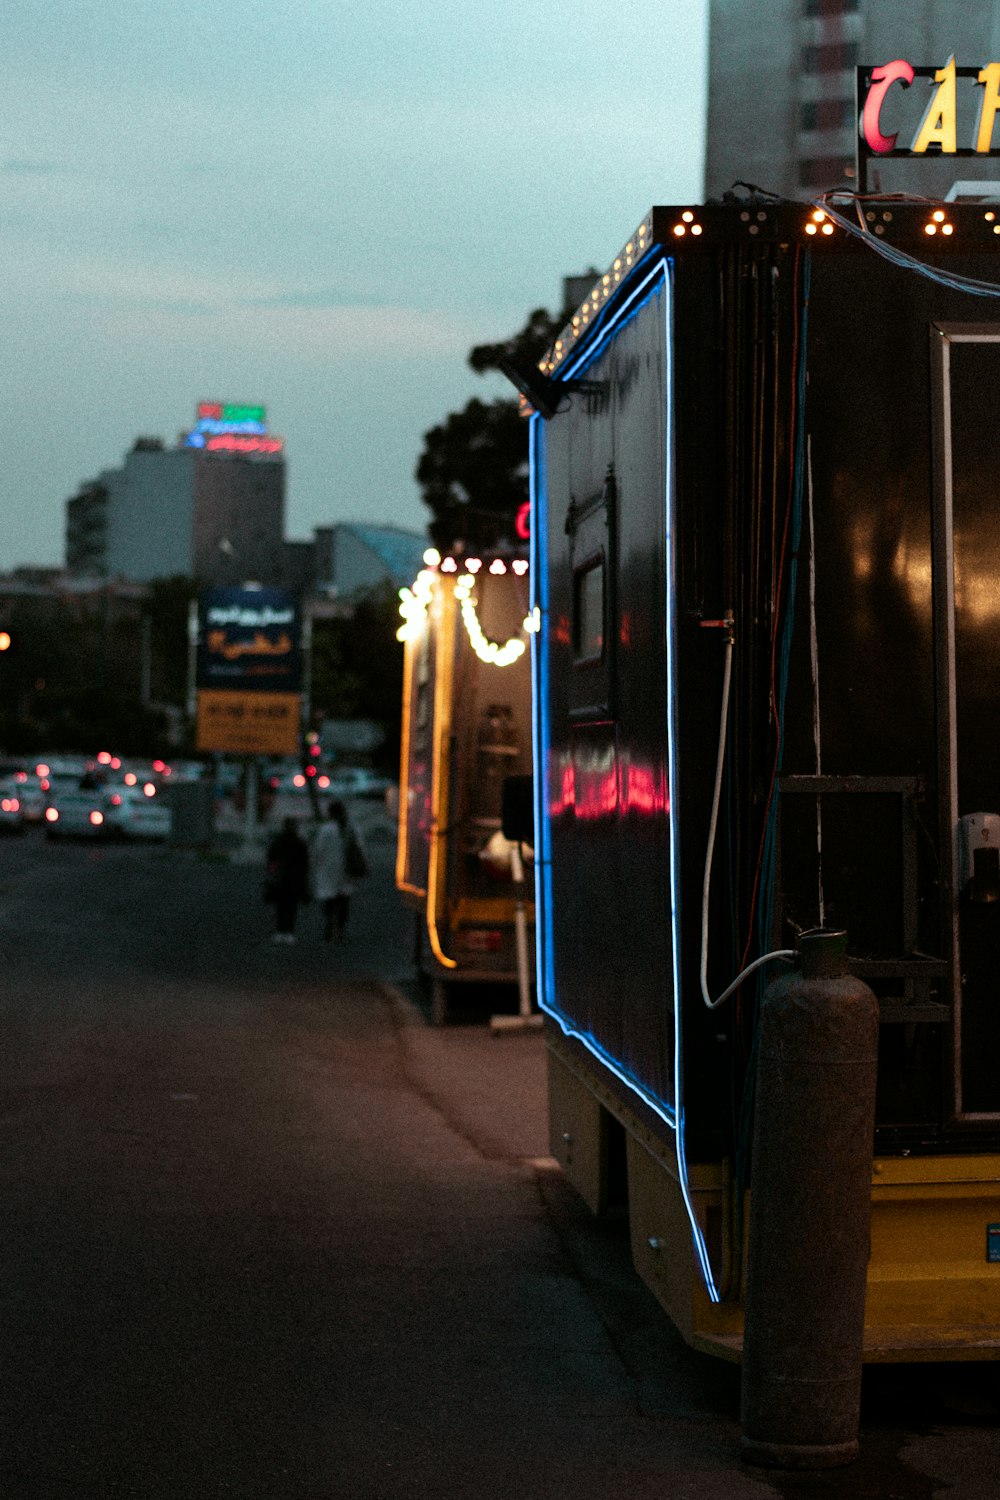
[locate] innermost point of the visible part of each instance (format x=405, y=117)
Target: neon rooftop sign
x=234, y=442
x=224, y=427
x=218, y=411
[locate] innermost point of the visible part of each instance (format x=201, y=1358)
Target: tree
x=357, y=668
x=473, y=470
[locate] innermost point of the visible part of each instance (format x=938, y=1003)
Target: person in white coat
x=332, y=887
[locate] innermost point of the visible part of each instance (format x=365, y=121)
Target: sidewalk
x=490, y=1086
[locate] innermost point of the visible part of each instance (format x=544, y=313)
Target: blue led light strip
x=608, y=319
x=657, y=281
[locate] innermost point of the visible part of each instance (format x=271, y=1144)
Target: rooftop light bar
x=603, y=289
x=912, y=222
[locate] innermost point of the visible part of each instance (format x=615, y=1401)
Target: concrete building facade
x=781, y=93
x=218, y=516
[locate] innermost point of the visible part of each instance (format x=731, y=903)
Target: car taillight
x=149, y=789
x=130, y=778
x=116, y=800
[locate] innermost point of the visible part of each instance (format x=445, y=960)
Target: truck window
x=588, y=611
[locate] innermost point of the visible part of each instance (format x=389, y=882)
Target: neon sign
x=210, y=424
x=230, y=415
x=938, y=127
x=234, y=442
x=223, y=427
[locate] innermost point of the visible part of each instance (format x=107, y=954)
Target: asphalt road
x=265, y=1233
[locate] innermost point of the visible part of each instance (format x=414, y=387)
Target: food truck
x=766, y=569
x=466, y=733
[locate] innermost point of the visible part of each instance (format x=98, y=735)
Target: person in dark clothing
x=288, y=879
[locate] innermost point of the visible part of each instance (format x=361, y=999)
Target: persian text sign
x=954, y=109
x=249, y=723
x=249, y=640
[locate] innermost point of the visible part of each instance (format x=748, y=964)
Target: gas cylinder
x=810, y=1212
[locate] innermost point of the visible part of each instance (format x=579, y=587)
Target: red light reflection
x=592, y=792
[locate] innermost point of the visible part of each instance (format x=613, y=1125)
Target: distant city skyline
x=318, y=209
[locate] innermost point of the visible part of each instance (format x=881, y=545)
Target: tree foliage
x=357, y=669
x=76, y=674
x=473, y=471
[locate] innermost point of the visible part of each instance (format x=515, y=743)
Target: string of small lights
x=414, y=602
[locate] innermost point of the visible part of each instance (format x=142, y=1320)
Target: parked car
x=30, y=795
x=358, y=781
x=74, y=811
x=137, y=812
x=11, y=811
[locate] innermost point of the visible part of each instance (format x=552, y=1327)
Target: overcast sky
x=314, y=205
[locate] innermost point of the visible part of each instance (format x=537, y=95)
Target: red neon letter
x=882, y=79
x=522, y=521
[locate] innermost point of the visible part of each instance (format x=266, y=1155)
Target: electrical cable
x=781, y=638
x=906, y=262
x=782, y=953
x=713, y=822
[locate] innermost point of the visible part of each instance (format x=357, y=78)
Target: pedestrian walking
x=287, y=883
x=337, y=858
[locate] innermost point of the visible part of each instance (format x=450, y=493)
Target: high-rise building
x=211, y=507
x=782, y=111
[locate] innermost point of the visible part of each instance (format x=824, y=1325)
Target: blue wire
x=905, y=262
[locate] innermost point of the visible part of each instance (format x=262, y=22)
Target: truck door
x=966, y=372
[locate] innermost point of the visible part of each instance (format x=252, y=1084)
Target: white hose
x=788, y=954
x=784, y=953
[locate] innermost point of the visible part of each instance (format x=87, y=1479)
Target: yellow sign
x=249, y=723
